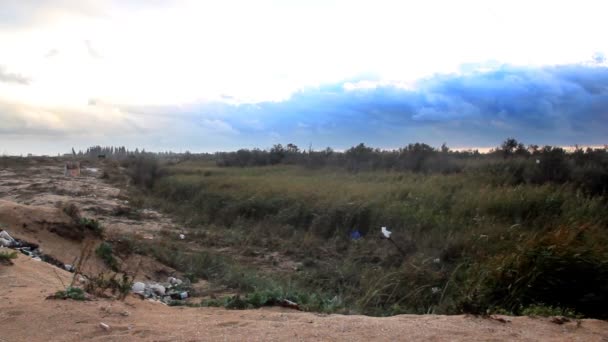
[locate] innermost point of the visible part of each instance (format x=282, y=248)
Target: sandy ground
x=25, y=315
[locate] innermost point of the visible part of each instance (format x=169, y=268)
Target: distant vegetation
x=518, y=230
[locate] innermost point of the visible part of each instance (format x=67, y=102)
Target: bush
x=563, y=268
x=6, y=257
x=118, y=284
x=144, y=171
x=70, y=293
x=548, y=311
x=93, y=225
x=105, y=252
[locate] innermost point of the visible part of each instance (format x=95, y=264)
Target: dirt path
x=46, y=186
x=26, y=316
x=43, y=187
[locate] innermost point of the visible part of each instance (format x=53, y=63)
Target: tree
x=508, y=147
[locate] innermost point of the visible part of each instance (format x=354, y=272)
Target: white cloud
x=130, y=53
x=217, y=126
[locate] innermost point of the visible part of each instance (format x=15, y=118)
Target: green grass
x=498, y=246
x=106, y=253
x=71, y=293
x=6, y=257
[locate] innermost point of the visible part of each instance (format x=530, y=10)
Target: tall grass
x=467, y=242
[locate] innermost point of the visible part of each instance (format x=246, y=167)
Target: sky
x=206, y=76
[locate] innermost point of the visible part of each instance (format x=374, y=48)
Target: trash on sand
x=138, y=287
x=174, y=281
x=385, y=232
x=104, y=326
x=289, y=304
x=180, y=296
x=31, y=249
x=355, y=235
x=173, y=289
x=182, y=236
x=6, y=240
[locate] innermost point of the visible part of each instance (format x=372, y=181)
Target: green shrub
x=118, y=284
x=105, y=252
x=71, y=293
x=488, y=237
x=563, y=268
x=93, y=225
x=6, y=257
x=548, y=311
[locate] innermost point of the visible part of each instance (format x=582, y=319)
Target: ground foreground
x=25, y=315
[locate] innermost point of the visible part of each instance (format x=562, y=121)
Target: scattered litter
x=173, y=289
x=6, y=240
x=179, y=296
x=104, y=326
x=437, y=260
x=435, y=290
x=32, y=250
x=385, y=232
x=355, y=235
x=174, y=281
x=289, y=304
x=158, y=289
x=92, y=169
x=182, y=236
x=138, y=287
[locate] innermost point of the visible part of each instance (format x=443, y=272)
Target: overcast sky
x=221, y=75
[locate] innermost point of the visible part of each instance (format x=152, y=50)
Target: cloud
x=51, y=53
x=9, y=77
x=91, y=50
x=565, y=104
x=480, y=107
x=21, y=13
x=217, y=126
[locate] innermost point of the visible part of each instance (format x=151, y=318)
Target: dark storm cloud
x=554, y=105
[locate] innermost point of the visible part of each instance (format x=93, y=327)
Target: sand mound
x=25, y=315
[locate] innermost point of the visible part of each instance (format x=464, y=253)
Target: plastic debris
x=173, y=289
x=6, y=240
x=138, y=287
x=182, y=236
x=174, y=281
x=104, y=326
x=355, y=235
x=385, y=232
x=289, y=304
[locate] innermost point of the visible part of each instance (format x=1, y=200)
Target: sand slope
x=25, y=315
